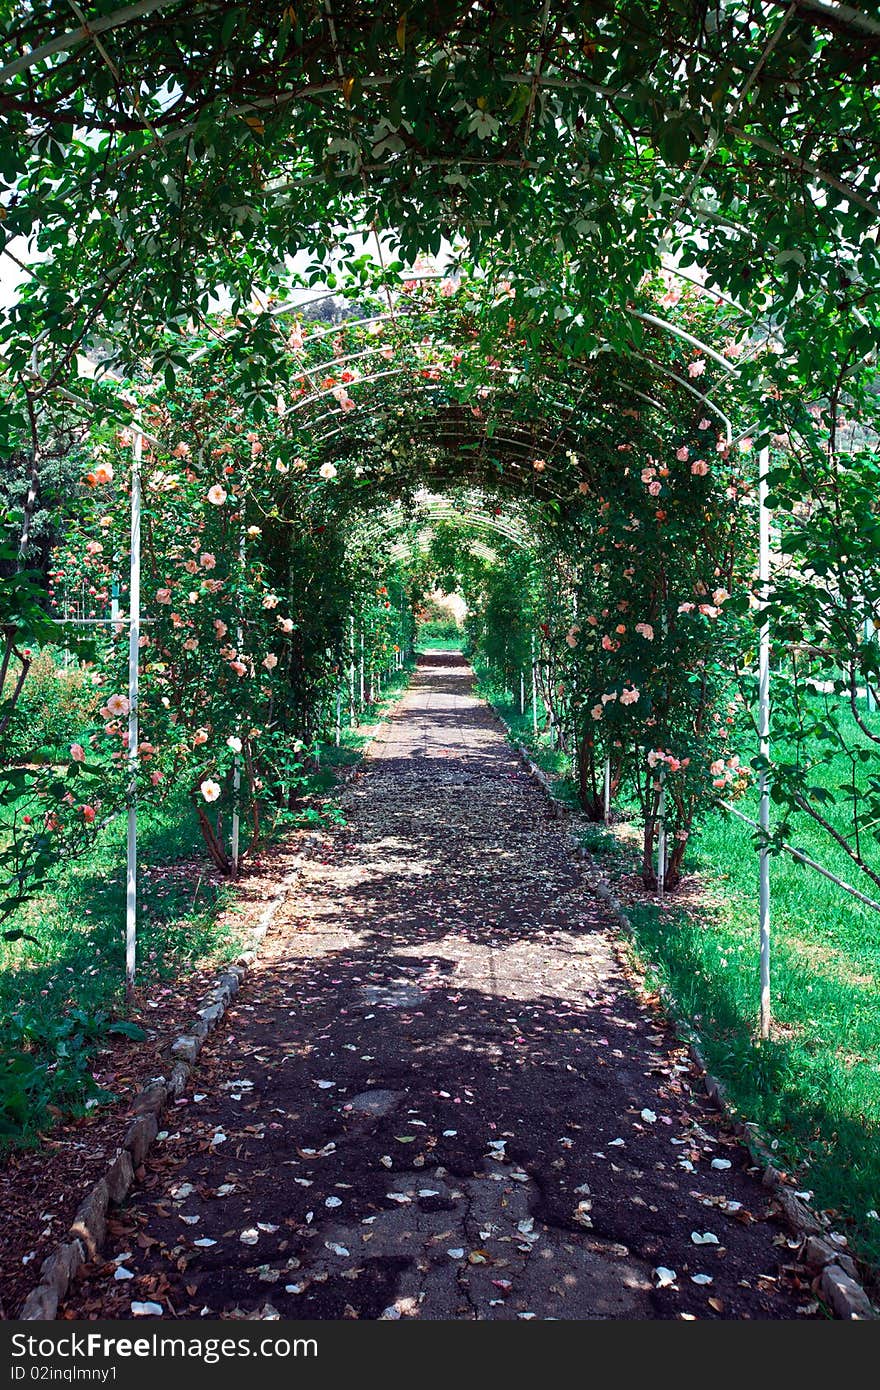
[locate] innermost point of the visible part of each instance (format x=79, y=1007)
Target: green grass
x=814, y=1089
x=440, y=644
x=520, y=726
x=62, y=994
x=439, y=635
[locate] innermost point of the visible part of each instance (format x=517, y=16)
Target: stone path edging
x=89, y=1227
x=823, y=1249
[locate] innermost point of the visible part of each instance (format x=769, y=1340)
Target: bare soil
x=437, y=1095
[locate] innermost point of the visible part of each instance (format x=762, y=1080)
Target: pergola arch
x=473, y=515
x=591, y=152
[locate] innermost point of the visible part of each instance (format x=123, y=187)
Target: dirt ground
x=436, y=1096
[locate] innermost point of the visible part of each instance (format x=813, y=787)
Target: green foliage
x=439, y=630
x=57, y=707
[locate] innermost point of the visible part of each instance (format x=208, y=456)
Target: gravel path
x=437, y=1096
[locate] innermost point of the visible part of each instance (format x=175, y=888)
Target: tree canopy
x=569, y=265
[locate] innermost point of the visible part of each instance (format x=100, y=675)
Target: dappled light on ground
x=437, y=1097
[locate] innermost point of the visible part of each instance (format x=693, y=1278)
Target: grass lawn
x=439, y=644
x=814, y=1089
x=61, y=994
x=58, y=994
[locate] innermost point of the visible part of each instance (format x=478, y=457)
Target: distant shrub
x=54, y=708
x=439, y=630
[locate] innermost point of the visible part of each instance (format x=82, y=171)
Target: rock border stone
x=822, y=1249
x=89, y=1227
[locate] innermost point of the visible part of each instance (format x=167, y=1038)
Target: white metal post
x=66, y=611
x=661, y=833
x=534, y=691
x=870, y=702
x=522, y=692
x=351, y=675
x=764, y=738
x=606, y=791
x=134, y=634
x=338, y=735
x=236, y=814
x=236, y=770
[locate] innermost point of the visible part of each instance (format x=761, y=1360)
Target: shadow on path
x=436, y=1096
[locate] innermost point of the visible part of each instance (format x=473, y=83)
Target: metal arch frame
x=654, y=320
x=120, y=17
x=714, y=292
x=63, y=43
x=577, y=443
x=520, y=445
x=429, y=387
x=513, y=462
x=357, y=323
x=517, y=473
x=686, y=337
x=651, y=319
x=433, y=508
x=420, y=277
x=447, y=440
x=408, y=371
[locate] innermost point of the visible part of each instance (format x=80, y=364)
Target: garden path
x=437, y=1096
